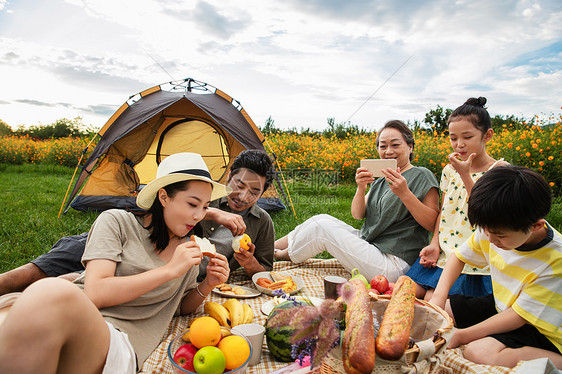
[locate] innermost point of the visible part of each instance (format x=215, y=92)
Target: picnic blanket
x=312, y=272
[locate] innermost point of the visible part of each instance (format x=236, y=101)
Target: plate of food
x=270, y=281
x=237, y=292
x=267, y=307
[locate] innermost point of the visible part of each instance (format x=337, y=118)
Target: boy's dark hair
x=159, y=235
x=509, y=197
x=257, y=161
x=475, y=112
x=407, y=134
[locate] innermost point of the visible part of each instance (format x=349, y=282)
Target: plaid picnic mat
x=312, y=273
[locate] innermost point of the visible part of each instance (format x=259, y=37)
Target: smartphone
x=376, y=165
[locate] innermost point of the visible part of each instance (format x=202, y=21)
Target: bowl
x=178, y=342
x=267, y=291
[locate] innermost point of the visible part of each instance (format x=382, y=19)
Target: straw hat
x=177, y=168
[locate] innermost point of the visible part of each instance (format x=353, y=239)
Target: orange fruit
x=241, y=242
x=235, y=349
x=204, y=331
x=245, y=241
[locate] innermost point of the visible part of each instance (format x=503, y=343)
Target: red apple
x=374, y=291
x=209, y=360
x=379, y=283
x=184, y=356
x=390, y=288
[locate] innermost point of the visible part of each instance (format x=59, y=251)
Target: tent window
x=186, y=135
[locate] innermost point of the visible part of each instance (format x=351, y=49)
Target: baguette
x=394, y=333
x=358, y=347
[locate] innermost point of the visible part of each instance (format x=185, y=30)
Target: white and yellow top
x=454, y=227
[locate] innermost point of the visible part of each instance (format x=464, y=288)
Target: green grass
x=31, y=196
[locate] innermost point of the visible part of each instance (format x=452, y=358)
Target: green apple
x=209, y=360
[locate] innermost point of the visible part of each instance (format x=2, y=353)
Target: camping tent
x=180, y=116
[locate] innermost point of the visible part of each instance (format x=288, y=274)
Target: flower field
x=536, y=147
x=23, y=149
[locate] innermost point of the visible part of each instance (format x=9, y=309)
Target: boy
x=522, y=319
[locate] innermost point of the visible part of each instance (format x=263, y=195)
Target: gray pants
x=64, y=257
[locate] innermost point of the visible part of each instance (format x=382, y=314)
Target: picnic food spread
x=358, y=344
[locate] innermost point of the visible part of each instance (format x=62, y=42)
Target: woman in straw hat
x=140, y=271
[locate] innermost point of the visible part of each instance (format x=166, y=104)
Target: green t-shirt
x=389, y=225
x=119, y=236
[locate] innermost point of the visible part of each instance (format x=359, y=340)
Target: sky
x=361, y=62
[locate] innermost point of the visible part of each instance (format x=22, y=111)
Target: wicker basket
x=430, y=330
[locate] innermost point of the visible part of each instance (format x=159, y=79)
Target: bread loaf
x=394, y=333
x=207, y=248
x=358, y=346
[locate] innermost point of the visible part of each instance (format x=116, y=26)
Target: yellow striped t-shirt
x=528, y=280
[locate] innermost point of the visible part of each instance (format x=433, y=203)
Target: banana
x=234, y=307
x=185, y=336
x=218, y=312
x=248, y=313
x=225, y=331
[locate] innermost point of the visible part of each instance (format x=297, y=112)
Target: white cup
x=255, y=333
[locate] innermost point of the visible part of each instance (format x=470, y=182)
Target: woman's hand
x=396, y=181
x=364, y=178
x=462, y=167
x=429, y=255
x=217, y=271
x=185, y=256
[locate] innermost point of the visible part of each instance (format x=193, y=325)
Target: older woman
x=399, y=211
x=140, y=270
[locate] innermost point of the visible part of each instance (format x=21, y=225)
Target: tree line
x=435, y=120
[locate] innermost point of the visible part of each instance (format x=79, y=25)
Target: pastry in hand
x=207, y=248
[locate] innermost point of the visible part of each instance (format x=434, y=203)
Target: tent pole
x=74, y=174
x=283, y=178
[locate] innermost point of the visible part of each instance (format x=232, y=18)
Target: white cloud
x=300, y=62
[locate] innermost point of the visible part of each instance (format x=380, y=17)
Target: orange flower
x=541, y=163
x=528, y=154
x=551, y=184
